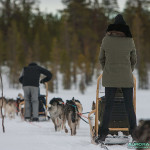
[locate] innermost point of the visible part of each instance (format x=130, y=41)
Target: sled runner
x=118, y=125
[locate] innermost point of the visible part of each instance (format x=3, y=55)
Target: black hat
x=119, y=20
x=32, y=64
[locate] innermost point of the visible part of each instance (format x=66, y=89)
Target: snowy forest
x=68, y=42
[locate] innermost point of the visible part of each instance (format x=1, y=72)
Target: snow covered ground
x=21, y=135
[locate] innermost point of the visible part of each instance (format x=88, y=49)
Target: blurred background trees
x=68, y=43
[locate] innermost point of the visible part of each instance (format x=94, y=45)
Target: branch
x=2, y=104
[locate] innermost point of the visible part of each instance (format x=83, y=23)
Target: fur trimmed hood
x=121, y=28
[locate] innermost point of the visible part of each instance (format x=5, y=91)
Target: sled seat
x=119, y=118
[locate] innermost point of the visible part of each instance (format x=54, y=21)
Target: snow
x=42, y=136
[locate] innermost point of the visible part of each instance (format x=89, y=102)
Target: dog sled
x=118, y=124
x=42, y=105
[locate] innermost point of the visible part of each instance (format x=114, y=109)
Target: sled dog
x=142, y=132
x=73, y=108
x=80, y=110
x=10, y=108
x=92, y=117
x=20, y=105
x=56, y=110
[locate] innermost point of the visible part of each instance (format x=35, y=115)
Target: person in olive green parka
x=118, y=59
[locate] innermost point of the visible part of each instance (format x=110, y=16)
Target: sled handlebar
x=46, y=86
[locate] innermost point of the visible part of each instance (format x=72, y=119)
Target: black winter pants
x=128, y=97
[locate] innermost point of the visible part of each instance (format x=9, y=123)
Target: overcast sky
x=54, y=5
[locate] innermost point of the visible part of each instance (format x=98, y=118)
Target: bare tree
x=2, y=103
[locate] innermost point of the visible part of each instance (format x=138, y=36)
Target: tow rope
x=31, y=123
x=83, y=119
x=86, y=113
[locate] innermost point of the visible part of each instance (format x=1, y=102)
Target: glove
x=42, y=81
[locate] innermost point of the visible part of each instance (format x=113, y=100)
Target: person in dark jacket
x=29, y=78
x=118, y=59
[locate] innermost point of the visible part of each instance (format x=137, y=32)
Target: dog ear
x=49, y=105
x=141, y=122
x=93, y=105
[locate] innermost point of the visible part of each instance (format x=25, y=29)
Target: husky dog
x=56, y=110
x=92, y=117
x=4, y=105
x=20, y=105
x=142, y=132
x=10, y=108
x=80, y=110
x=73, y=108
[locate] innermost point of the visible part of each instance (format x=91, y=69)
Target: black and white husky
x=56, y=109
x=9, y=107
x=73, y=109
x=20, y=104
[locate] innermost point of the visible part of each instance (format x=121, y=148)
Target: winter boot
x=100, y=139
x=28, y=119
x=35, y=119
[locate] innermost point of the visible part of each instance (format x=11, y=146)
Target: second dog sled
x=119, y=120
x=42, y=105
